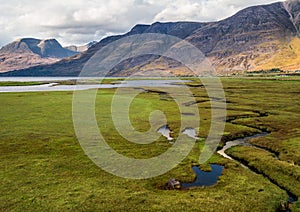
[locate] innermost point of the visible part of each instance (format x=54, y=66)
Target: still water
x=205, y=178
x=52, y=84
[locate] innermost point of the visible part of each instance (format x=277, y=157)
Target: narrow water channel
x=245, y=142
x=239, y=142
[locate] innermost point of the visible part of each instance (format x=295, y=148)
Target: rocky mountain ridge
x=27, y=52
x=259, y=37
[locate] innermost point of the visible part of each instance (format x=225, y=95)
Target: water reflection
x=191, y=132
x=165, y=131
x=56, y=87
x=205, y=178
x=239, y=142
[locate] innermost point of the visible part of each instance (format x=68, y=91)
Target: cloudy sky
x=81, y=21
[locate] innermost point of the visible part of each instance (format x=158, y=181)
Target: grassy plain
x=43, y=166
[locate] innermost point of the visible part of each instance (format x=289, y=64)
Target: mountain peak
x=27, y=52
x=27, y=40
x=139, y=28
x=44, y=48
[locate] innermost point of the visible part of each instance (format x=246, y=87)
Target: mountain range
x=27, y=52
x=255, y=38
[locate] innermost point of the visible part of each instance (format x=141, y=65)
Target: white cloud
x=205, y=10
x=80, y=21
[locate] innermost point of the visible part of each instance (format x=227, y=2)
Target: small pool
x=205, y=178
x=191, y=133
x=165, y=131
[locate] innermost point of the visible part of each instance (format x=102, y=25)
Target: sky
x=77, y=22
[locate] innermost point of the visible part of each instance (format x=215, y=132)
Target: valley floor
x=44, y=167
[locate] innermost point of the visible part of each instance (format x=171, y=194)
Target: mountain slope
x=81, y=48
x=72, y=66
x=259, y=37
x=28, y=52
x=246, y=40
x=293, y=8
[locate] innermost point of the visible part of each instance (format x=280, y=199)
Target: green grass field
x=43, y=166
